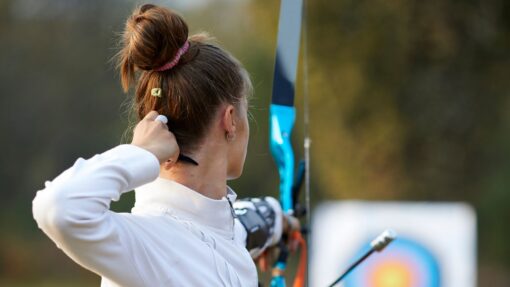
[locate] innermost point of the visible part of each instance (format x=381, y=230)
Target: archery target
x=435, y=245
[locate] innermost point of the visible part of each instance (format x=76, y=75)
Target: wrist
x=148, y=149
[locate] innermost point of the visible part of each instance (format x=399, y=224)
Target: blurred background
x=409, y=100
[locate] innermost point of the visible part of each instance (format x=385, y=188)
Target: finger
x=292, y=223
x=262, y=261
x=294, y=241
x=151, y=115
x=269, y=258
x=293, y=245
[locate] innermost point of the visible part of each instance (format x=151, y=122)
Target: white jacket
x=173, y=237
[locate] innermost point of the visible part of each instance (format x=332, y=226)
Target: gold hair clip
x=156, y=92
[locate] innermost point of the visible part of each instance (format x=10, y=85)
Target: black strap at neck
x=187, y=159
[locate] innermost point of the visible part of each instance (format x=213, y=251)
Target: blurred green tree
x=408, y=101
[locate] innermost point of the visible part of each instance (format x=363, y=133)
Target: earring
x=230, y=136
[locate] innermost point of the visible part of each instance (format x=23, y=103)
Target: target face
x=404, y=263
x=435, y=244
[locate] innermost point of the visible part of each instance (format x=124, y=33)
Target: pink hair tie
x=175, y=60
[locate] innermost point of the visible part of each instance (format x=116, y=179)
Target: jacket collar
x=170, y=196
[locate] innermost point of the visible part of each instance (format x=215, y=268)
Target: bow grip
x=282, y=121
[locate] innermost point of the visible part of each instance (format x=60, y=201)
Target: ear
x=228, y=119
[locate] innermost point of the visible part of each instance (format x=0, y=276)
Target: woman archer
x=186, y=228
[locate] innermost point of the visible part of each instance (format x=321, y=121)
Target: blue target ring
x=404, y=263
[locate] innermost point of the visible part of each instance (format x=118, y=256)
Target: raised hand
x=154, y=136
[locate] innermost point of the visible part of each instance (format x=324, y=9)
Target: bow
x=282, y=119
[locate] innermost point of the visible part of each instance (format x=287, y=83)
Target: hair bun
x=152, y=37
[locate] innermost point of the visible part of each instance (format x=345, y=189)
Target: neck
x=208, y=178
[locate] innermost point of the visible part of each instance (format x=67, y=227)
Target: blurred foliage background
x=409, y=100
